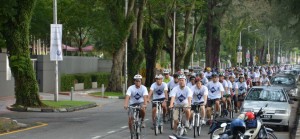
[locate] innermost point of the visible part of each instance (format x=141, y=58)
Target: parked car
x=293, y=72
x=288, y=82
x=278, y=110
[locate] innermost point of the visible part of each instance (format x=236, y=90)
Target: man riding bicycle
x=159, y=89
x=136, y=95
x=215, y=92
x=167, y=78
x=226, y=98
x=200, y=93
x=181, y=96
x=241, y=90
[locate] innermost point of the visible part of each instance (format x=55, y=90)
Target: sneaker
x=143, y=125
x=202, y=122
x=187, y=123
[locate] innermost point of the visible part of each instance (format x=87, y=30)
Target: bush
x=68, y=80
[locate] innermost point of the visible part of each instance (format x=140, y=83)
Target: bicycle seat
x=223, y=120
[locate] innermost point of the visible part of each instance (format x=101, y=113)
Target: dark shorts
x=130, y=111
x=241, y=97
x=193, y=107
x=210, y=102
x=154, y=105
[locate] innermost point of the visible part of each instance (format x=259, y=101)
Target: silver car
x=278, y=110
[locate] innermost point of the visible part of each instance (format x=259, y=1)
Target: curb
x=68, y=109
x=110, y=97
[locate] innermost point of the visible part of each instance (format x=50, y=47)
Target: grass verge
x=99, y=94
x=65, y=103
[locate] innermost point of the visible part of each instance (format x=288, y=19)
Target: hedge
x=68, y=80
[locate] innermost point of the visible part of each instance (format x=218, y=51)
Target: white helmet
x=186, y=70
x=166, y=71
x=159, y=76
x=182, y=76
x=138, y=76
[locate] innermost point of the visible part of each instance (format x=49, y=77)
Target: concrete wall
x=70, y=65
x=6, y=86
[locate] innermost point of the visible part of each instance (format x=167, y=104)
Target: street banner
x=268, y=58
x=248, y=56
x=55, y=43
x=8, y=71
x=239, y=57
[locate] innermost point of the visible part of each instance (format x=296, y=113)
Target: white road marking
x=96, y=137
x=124, y=127
x=110, y=132
x=146, y=119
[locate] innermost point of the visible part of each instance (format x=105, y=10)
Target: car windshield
x=260, y=94
x=283, y=80
x=289, y=72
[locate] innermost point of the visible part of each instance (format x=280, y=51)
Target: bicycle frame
x=159, y=112
x=136, y=124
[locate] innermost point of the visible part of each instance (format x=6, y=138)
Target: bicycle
x=169, y=114
x=214, y=114
x=159, y=118
x=136, y=125
x=181, y=129
x=197, y=125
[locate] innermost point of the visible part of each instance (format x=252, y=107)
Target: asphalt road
x=108, y=121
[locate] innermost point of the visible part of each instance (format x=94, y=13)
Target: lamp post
x=126, y=51
x=174, y=25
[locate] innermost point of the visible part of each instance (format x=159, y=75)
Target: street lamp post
x=126, y=51
x=274, y=52
x=174, y=25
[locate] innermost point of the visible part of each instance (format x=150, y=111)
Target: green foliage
x=68, y=80
x=65, y=103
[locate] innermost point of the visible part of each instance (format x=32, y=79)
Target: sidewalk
x=77, y=95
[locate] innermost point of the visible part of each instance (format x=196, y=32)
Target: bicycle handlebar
x=157, y=101
x=134, y=107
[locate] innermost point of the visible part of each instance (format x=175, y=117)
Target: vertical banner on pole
x=268, y=58
x=8, y=71
x=55, y=43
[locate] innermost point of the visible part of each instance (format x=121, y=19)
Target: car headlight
x=247, y=110
x=280, y=111
x=294, y=92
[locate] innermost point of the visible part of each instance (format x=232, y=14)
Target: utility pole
x=126, y=51
x=56, y=62
x=174, y=25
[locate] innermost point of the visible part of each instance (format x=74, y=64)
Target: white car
x=279, y=108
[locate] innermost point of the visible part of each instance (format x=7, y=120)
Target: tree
x=113, y=32
x=15, y=30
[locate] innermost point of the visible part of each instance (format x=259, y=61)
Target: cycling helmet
x=241, y=76
x=208, y=69
x=138, y=76
x=221, y=74
x=197, y=79
x=249, y=116
x=159, y=76
x=166, y=71
x=236, y=126
x=181, y=76
x=214, y=75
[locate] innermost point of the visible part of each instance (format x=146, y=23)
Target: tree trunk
x=115, y=83
x=17, y=42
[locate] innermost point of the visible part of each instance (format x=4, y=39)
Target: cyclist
x=226, y=99
x=187, y=75
x=181, y=95
x=208, y=72
x=192, y=82
x=167, y=77
x=241, y=90
x=264, y=80
x=159, y=90
x=173, y=82
x=200, y=93
x=136, y=95
x=204, y=80
x=215, y=92
x=248, y=81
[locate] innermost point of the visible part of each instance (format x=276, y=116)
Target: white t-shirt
x=136, y=94
x=206, y=74
x=158, y=90
x=241, y=87
x=181, y=95
x=190, y=85
x=172, y=84
x=234, y=87
x=264, y=81
x=214, y=90
x=229, y=87
x=198, y=93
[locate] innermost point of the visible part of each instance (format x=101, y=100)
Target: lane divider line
x=25, y=129
x=124, y=127
x=110, y=132
x=96, y=137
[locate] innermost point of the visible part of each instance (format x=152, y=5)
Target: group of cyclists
x=184, y=88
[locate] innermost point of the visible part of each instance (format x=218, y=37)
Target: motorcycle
x=174, y=136
x=259, y=130
x=215, y=129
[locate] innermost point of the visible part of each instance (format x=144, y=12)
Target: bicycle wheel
x=161, y=129
x=271, y=135
x=171, y=119
x=138, y=132
x=215, y=133
x=195, y=125
x=199, y=129
x=132, y=132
